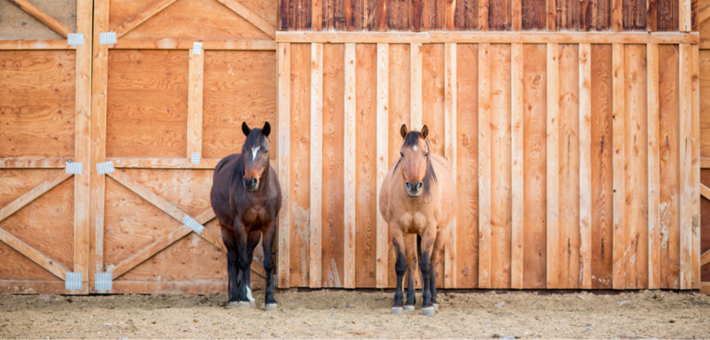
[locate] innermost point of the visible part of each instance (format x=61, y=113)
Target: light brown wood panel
x=147, y=104
x=37, y=97
x=332, y=238
x=16, y=266
x=500, y=166
x=705, y=98
x=534, y=170
x=484, y=165
x=636, y=137
x=186, y=19
x=189, y=190
x=18, y=24
x=283, y=266
x=619, y=165
x=366, y=163
x=569, y=233
x=601, y=152
x=239, y=86
x=553, y=168
x=47, y=224
x=300, y=164
x=17, y=182
x=399, y=86
x=433, y=111
x=467, y=166
x=669, y=166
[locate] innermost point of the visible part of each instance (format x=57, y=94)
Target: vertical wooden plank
x=450, y=119
x=685, y=16
x=283, y=55
x=499, y=15
x=399, y=15
x=316, y=192
x=669, y=167
x=466, y=15
x=450, y=8
x=333, y=125
x=551, y=17
x=667, y=11
x=602, y=168
x=303, y=15
x=595, y=15
x=415, y=51
x=483, y=15
x=194, y=102
x=652, y=14
x=501, y=151
x=686, y=171
x=349, y=167
x=553, y=182
x=585, y=166
x=433, y=14
x=636, y=168
x=82, y=135
x=283, y=15
x=517, y=159
x=375, y=15
x=516, y=7
x=617, y=16
x=417, y=15
x=695, y=165
x=654, y=233
x=533, y=14
x=619, y=166
x=484, y=166
x=569, y=263
x=316, y=15
x=300, y=172
x=634, y=15
x=535, y=164
x=467, y=166
x=382, y=160
x=354, y=11
x=99, y=92
x=568, y=15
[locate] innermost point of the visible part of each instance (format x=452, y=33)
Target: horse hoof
x=396, y=310
x=240, y=304
x=436, y=306
x=271, y=306
x=428, y=311
x=409, y=308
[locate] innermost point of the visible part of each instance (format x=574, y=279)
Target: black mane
x=411, y=140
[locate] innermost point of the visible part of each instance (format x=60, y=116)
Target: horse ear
x=403, y=130
x=425, y=131
x=266, y=130
x=245, y=128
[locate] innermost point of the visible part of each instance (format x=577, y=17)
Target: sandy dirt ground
x=357, y=314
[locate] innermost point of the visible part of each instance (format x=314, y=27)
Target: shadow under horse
x=246, y=198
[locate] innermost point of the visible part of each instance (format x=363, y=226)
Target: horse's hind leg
x=269, y=235
x=411, y=271
x=400, y=267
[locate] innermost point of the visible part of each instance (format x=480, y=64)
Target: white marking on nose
x=414, y=148
x=254, y=151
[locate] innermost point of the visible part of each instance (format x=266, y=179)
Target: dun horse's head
x=256, y=155
x=416, y=165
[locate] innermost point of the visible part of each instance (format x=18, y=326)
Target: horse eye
x=266, y=151
x=426, y=154
x=401, y=154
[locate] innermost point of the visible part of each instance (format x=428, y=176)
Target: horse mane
x=251, y=141
x=410, y=140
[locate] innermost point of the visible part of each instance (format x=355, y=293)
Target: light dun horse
x=246, y=197
x=418, y=196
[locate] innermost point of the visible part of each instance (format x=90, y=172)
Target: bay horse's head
x=417, y=170
x=255, y=154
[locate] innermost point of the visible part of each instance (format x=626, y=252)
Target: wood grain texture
x=685, y=16
x=399, y=15
x=19, y=24
x=617, y=15
x=517, y=172
x=415, y=52
x=283, y=57
x=602, y=166
x=636, y=136
x=315, y=220
x=686, y=154
x=261, y=23
x=535, y=164
x=499, y=15
x=42, y=17
x=19, y=267
x=300, y=140
x=349, y=164
x=146, y=110
x=517, y=15
x=354, y=15
x=37, y=93
x=433, y=15
x=585, y=166
x=484, y=166
x=667, y=15
x=450, y=150
x=33, y=254
x=417, y=7
x=569, y=263
x=568, y=15
x=500, y=166
x=333, y=124
x=12, y=207
x=619, y=165
x=365, y=165
x=147, y=13
x=654, y=234
x=465, y=15
x=382, y=130
x=239, y=86
x=669, y=167
x=695, y=164
x=634, y=15
x=534, y=14
x=552, y=159
x=195, y=82
x=467, y=233
x=595, y=15
x=551, y=15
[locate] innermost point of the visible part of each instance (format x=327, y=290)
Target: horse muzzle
x=414, y=189
x=251, y=184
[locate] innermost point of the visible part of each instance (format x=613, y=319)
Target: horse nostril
x=419, y=186
x=409, y=186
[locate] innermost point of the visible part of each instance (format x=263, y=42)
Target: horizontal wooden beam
x=33, y=254
x=526, y=37
x=39, y=190
x=43, y=17
x=35, y=44
x=250, y=16
x=174, y=44
x=162, y=163
x=142, y=17
x=34, y=163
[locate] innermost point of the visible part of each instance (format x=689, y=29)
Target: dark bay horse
x=418, y=196
x=246, y=198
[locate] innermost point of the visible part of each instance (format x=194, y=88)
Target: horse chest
x=413, y=222
x=255, y=215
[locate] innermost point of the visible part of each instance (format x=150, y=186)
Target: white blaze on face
x=415, y=148
x=254, y=152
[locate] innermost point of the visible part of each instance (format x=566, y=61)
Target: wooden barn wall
x=486, y=15
x=704, y=103
x=573, y=161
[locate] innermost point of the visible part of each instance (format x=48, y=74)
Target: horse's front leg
x=441, y=237
x=411, y=272
x=269, y=236
x=232, y=259
x=240, y=238
x=428, y=240
x=400, y=267
x=252, y=241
